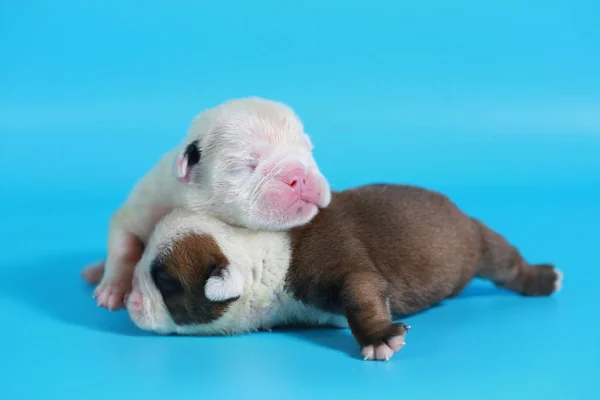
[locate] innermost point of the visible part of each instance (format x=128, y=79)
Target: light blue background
x=497, y=103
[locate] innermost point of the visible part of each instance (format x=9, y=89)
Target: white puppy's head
x=195, y=277
x=250, y=163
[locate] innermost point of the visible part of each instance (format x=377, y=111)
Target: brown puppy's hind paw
x=542, y=280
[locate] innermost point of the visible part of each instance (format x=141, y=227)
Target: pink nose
x=295, y=179
x=135, y=301
x=306, y=185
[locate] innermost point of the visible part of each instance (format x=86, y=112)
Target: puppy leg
x=503, y=264
x=124, y=251
x=152, y=197
x=93, y=273
x=366, y=304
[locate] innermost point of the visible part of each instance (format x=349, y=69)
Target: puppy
x=247, y=162
x=375, y=254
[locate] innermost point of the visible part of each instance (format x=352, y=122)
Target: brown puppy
x=377, y=253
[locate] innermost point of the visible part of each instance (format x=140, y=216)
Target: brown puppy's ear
x=187, y=159
x=225, y=283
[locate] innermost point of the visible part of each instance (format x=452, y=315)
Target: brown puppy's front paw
x=386, y=343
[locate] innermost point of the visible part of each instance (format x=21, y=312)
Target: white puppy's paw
x=93, y=273
x=111, y=292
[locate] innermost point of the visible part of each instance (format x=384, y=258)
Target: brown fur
x=181, y=273
x=403, y=246
x=378, y=252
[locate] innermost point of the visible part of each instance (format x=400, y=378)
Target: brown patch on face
x=180, y=274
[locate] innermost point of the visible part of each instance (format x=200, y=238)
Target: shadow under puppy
x=376, y=253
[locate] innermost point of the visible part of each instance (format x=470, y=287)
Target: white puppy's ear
x=225, y=283
x=186, y=160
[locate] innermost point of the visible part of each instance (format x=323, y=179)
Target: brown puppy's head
x=181, y=276
x=195, y=277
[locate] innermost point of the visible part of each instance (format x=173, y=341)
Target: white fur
x=229, y=135
x=262, y=259
x=558, y=282
x=226, y=287
x=246, y=145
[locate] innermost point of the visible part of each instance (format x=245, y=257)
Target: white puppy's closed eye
x=225, y=284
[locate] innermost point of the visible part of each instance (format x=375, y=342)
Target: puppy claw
x=396, y=343
x=383, y=352
x=368, y=352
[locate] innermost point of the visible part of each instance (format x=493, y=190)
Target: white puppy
x=247, y=162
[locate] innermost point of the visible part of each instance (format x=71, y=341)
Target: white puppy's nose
x=295, y=179
x=306, y=185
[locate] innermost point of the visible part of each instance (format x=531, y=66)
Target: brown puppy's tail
x=503, y=264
